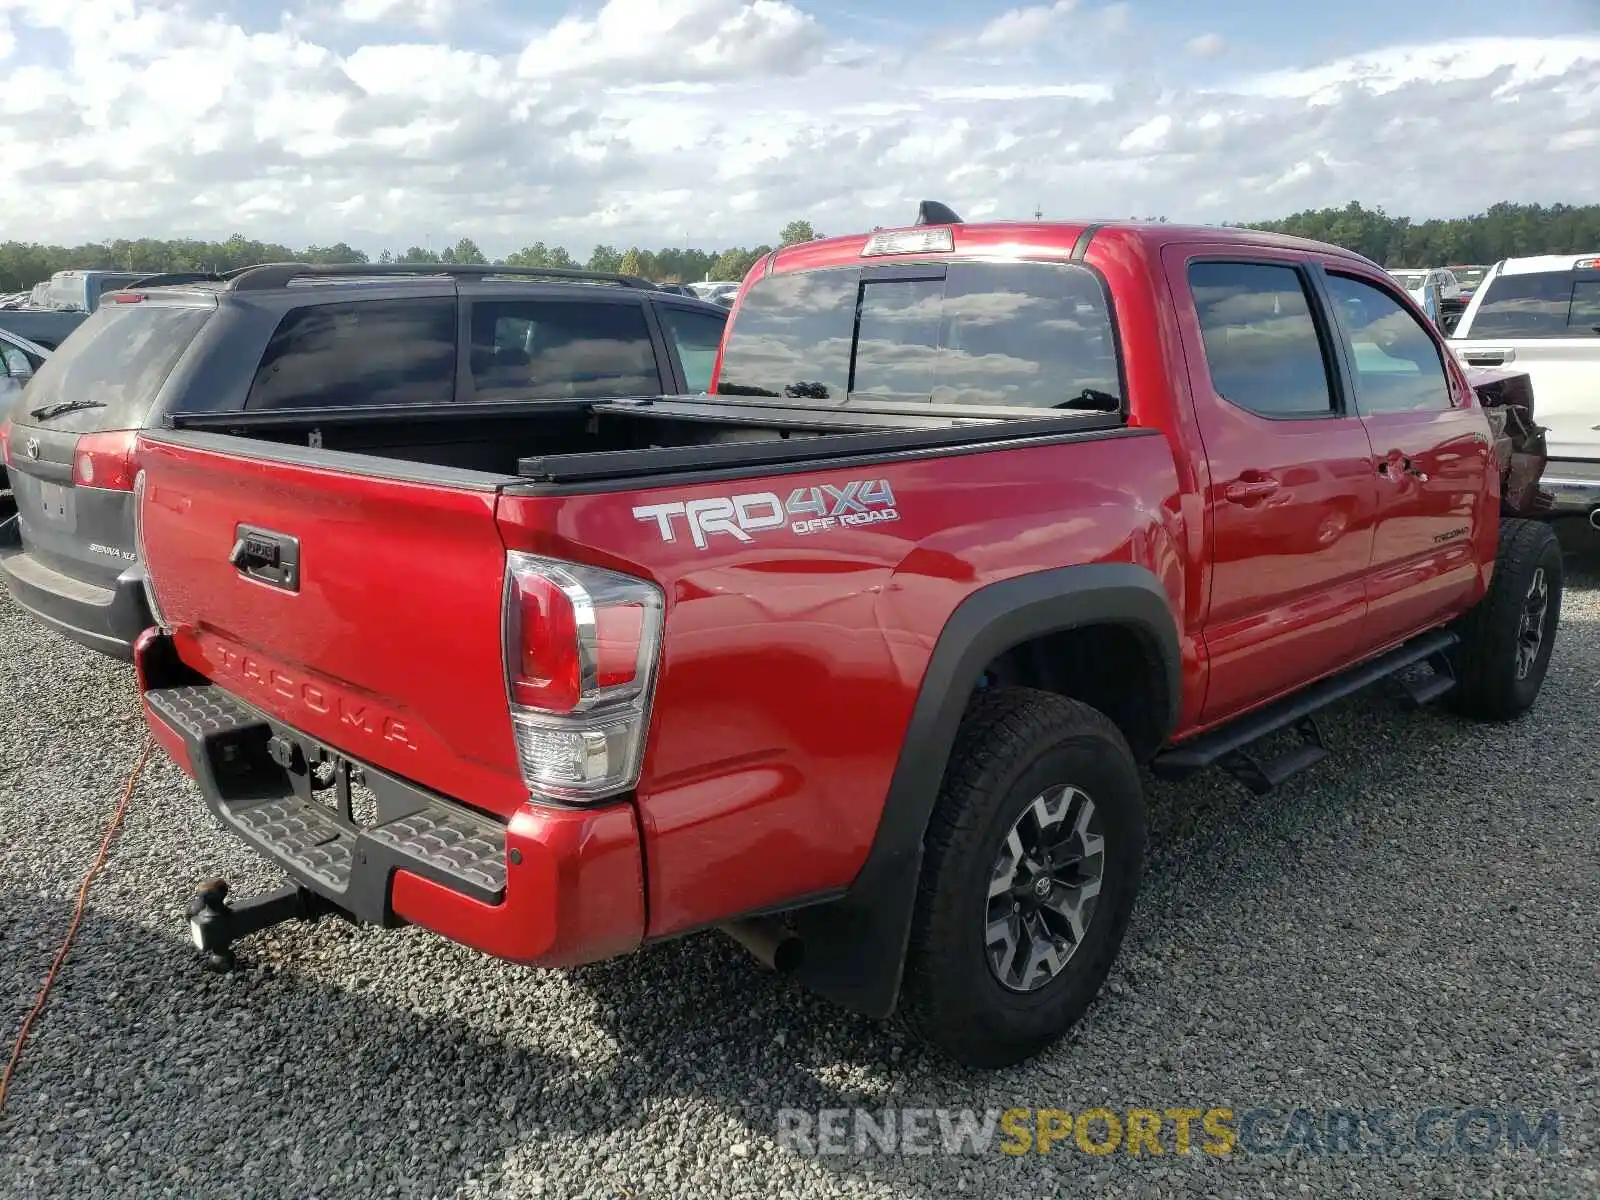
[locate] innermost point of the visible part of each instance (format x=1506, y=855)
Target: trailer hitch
x=214, y=924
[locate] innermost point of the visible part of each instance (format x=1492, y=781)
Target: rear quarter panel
x=791, y=663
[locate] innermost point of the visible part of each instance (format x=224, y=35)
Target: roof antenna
x=1038, y=213
x=931, y=212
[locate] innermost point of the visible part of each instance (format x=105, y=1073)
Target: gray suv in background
x=330, y=342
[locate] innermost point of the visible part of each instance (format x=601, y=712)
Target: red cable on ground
x=77, y=916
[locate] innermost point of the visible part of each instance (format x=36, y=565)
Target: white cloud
x=1207, y=45
x=1020, y=26
x=417, y=14
x=676, y=39
x=716, y=121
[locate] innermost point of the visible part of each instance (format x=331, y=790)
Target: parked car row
x=58, y=305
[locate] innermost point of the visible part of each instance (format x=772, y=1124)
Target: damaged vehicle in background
x=1539, y=318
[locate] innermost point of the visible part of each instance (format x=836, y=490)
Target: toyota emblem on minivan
x=31, y=447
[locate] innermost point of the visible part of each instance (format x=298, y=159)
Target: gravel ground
x=1415, y=924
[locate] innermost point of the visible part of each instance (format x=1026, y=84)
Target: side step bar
x=1229, y=747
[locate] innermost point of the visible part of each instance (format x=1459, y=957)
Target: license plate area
x=54, y=504
x=332, y=781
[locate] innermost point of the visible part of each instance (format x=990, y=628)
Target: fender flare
x=855, y=945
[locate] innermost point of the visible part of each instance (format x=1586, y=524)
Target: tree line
x=1504, y=230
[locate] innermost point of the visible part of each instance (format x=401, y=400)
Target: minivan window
x=1020, y=334
x=359, y=354
x=697, y=335
x=563, y=349
x=1543, y=304
x=116, y=361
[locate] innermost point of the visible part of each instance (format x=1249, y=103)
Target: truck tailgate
x=376, y=630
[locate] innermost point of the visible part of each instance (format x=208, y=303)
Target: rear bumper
x=551, y=887
x=105, y=619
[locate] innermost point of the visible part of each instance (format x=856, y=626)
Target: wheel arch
x=855, y=946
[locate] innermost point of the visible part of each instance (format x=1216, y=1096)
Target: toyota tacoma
x=862, y=656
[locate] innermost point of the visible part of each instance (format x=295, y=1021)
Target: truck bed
x=555, y=443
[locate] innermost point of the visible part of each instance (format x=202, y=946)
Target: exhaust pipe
x=774, y=943
x=1594, y=518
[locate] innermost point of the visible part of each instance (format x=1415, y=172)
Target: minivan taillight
x=5, y=440
x=581, y=646
x=105, y=460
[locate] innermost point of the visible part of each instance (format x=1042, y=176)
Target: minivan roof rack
x=269, y=276
x=173, y=279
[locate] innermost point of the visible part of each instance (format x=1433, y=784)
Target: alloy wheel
x=1043, y=888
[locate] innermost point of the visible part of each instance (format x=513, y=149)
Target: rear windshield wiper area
x=56, y=410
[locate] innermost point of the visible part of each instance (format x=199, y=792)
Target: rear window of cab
x=1543, y=304
x=1007, y=335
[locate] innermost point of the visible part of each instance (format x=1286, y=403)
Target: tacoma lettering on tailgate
x=258, y=676
x=808, y=510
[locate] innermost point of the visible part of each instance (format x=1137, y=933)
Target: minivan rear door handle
x=266, y=556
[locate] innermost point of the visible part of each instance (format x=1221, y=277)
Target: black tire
x=1014, y=745
x=1491, y=684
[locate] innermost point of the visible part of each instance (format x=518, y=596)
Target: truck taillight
x=581, y=646
x=105, y=460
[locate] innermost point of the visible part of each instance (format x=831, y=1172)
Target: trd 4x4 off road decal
x=808, y=510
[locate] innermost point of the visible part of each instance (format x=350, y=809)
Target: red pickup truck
x=859, y=656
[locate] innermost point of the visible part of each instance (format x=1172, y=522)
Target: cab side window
x=1398, y=364
x=1262, y=345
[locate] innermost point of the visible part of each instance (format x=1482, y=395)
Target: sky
x=390, y=123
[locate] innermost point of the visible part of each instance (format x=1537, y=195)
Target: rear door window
x=115, y=363
x=696, y=336
x=1544, y=304
x=563, y=349
x=1014, y=335
x=359, y=354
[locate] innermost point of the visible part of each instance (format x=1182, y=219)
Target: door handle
x=267, y=557
x=1243, y=491
x=1392, y=472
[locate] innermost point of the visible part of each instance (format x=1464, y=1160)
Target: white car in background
x=1449, y=297
x=1541, y=316
x=1416, y=281
x=718, y=292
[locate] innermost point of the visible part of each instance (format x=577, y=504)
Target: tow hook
x=214, y=924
